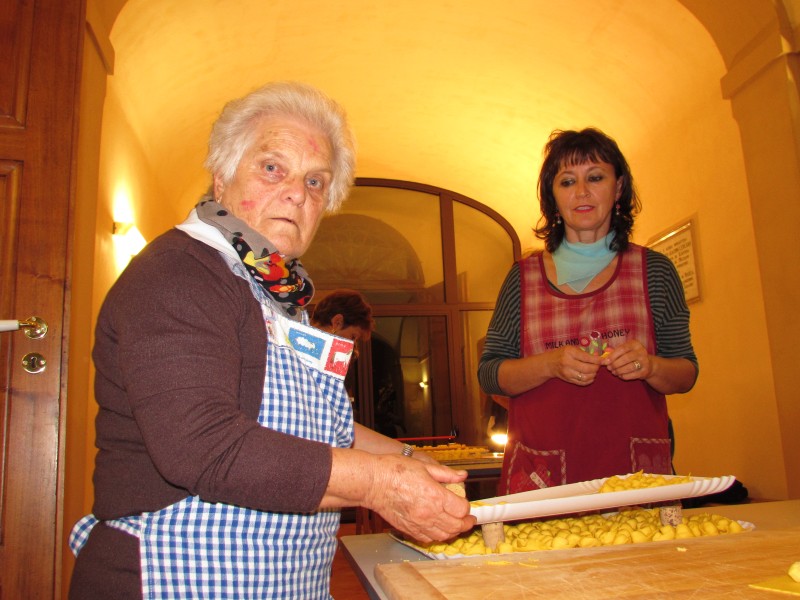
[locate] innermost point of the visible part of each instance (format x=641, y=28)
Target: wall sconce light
x=130, y=240
x=423, y=384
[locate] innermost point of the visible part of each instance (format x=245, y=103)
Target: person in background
x=590, y=334
x=345, y=313
x=226, y=443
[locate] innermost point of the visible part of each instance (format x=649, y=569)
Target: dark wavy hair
x=352, y=305
x=566, y=148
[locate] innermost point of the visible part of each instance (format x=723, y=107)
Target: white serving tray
x=583, y=496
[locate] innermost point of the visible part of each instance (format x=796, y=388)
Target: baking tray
x=584, y=496
x=486, y=458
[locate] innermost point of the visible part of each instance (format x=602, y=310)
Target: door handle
x=34, y=327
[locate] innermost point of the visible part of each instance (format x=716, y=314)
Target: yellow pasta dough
x=625, y=527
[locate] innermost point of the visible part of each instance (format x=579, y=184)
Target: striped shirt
x=667, y=303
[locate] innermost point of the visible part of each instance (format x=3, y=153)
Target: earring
x=617, y=208
x=558, y=218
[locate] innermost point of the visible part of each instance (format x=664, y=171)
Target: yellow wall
x=759, y=43
x=728, y=423
x=772, y=156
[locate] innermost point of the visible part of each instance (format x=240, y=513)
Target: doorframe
x=451, y=308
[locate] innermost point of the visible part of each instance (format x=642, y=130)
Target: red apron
x=562, y=433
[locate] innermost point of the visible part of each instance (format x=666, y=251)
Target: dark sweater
x=180, y=356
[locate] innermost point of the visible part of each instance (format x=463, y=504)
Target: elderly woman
x=226, y=440
x=589, y=335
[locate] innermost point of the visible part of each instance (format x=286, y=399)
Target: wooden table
x=708, y=567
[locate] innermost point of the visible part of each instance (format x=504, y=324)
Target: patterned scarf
x=286, y=282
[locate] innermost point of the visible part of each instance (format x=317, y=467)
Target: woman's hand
x=570, y=364
x=665, y=375
x=629, y=361
x=575, y=366
x=410, y=496
x=424, y=457
x=407, y=493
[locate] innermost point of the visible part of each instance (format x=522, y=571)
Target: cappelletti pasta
x=640, y=480
x=626, y=527
x=453, y=451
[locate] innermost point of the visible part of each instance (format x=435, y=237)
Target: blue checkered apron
x=197, y=549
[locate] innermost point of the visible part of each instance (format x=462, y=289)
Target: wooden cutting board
x=709, y=567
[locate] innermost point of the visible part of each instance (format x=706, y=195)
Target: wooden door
x=40, y=51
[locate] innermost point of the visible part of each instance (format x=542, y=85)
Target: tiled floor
x=344, y=582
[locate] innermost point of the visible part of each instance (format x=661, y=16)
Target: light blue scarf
x=577, y=264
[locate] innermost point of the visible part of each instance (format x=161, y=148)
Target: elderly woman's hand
x=424, y=457
x=573, y=365
x=407, y=493
x=629, y=361
x=410, y=496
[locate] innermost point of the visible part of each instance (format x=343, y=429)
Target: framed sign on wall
x=679, y=245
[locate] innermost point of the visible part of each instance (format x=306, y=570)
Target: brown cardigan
x=179, y=352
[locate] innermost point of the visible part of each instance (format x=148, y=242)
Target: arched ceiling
x=460, y=94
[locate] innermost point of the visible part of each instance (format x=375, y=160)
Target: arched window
x=431, y=262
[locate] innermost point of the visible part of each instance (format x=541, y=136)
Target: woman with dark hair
x=589, y=335
x=345, y=313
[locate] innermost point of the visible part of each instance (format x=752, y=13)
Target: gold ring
x=637, y=365
x=579, y=377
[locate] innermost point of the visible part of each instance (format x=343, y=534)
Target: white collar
x=207, y=234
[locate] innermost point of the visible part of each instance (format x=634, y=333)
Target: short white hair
x=233, y=133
